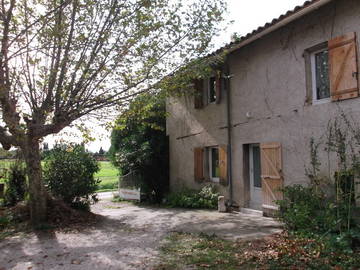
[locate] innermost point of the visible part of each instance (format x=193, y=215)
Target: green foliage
x=4, y=221
x=139, y=143
x=15, y=184
x=69, y=173
x=305, y=210
x=206, y=198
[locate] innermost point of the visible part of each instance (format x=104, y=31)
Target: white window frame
x=316, y=101
x=209, y=93
x=213, y=179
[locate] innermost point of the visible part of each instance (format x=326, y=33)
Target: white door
x=255, y=177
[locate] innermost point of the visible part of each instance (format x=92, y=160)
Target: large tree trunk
x=36, y=185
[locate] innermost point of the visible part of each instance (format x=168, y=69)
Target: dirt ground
x=128, y=237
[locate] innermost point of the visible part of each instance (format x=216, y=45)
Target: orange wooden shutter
x=223, y=164
x=271, y=174
x=199, y=164
x=199, y=93
x=218, y=87
x=343, y=67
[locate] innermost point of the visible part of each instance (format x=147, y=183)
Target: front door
x=255, y=177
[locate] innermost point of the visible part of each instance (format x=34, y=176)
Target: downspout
x=229, y=131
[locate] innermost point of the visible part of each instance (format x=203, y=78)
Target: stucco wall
x=269, y=82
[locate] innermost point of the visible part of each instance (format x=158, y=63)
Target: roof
x=276, y=23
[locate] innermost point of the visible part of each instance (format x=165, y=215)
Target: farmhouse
x=248, y=128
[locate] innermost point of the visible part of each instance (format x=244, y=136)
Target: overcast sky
x=250, y=14
x=247, y=16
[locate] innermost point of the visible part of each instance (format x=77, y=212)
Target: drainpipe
x=229, y=130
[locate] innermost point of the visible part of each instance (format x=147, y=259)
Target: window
x=212, y=90
x=214, y=164
x=210, y=164
x=332, y=70
x=320, y=76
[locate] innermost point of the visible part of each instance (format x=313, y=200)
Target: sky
x=247, y=15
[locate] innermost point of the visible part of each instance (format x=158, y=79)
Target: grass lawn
x=108, y=175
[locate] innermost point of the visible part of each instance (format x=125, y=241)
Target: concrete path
x=128, y=238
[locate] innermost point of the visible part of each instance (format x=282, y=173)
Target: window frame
x=314, y=99
x=209, y=158
x=209, y=90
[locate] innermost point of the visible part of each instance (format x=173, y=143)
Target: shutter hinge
x=355, y=74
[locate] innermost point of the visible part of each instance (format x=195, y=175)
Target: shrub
x=69, y=173
x=206, y=198
x=306, y=210
x=15, y=182
x=139, y=144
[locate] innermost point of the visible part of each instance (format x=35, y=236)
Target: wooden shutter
x=223, y=164
x=271, y=174
x=199, y=164
x=199, y=93
x=218, y=87
x=343, y=67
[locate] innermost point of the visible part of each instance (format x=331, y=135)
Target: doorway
x=255, y=201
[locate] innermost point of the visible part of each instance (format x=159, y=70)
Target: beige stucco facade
x=269, y=96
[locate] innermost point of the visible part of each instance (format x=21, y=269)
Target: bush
x=69, y=174
x=306, y=210
x=139, y=144
x=206, y=198
x=15, y=182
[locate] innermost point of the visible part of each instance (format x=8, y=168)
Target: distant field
x=108, y=174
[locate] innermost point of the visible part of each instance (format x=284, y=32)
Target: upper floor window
x=332, y=70
x=212, y=90
x=209, y=90
x=320, y=76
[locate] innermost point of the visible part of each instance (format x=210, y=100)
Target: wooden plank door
x=271, y=174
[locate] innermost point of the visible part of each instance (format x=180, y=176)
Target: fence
x=129, y=186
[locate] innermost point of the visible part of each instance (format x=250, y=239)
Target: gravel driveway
x=127, y=238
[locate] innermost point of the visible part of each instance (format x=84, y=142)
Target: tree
x=101, y=151
x=61, y=60
x=139, y=143
x=45, y=147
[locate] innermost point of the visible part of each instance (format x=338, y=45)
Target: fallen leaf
x=75, y=262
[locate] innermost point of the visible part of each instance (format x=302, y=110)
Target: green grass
x=190, y=251
x=108, y=175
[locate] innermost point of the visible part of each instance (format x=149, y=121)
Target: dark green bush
x=206, y=198
x=139, y=144
x=308, y=212
x=302, y=209
x=16, y=185
x=69, y=174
